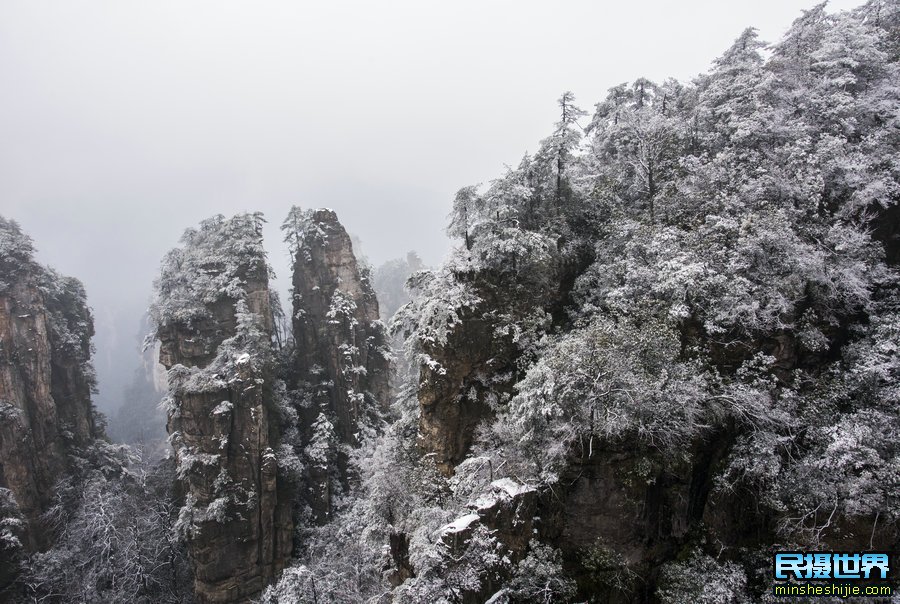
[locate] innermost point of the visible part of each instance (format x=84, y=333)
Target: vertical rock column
x=214, y=322
x=341, y=351
x=45, y=377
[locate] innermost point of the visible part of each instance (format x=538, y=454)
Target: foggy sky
x=124, y=122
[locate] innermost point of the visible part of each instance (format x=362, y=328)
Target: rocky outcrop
x=619, y=515
x=626, y=510
x=453, y=390
x=506, y=510
x=215, y=327
x=46, y=377
x=340, y=344
x=476, y=365
x=341, y=359
x=46, y=381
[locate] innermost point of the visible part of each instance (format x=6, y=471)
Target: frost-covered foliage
x=301, y=227
x=607, y=381
x=438, y=304
x=69, y=320
x=705, y=264
x=215, y=263
x=12, y=525
x=697, y=278
x=113, y=540
x=734, y=276
x=455, y=571
x=539, y=578
x=12, y=534
x=71, y=325
x=297, y=585
x=322, y=443
x=731, y=255
x=344, y=560
x=701, y=579
x=848, y=460
x=16, y=249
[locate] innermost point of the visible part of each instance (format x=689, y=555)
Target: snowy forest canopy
x=665, y=345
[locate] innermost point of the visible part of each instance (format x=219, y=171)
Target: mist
x=123, y=123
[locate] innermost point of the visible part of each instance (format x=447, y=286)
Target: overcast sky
x=124, y=122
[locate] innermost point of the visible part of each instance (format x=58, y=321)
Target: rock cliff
x=339, y=340
x=215, y=325
x=248, y=449
x=475, y=364
x=46, y=380
x=453, y=391
x=341, y=356
x=45, y=375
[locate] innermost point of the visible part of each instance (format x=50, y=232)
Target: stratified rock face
x=340, y=344
x=215, y=326
x=45, y=376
